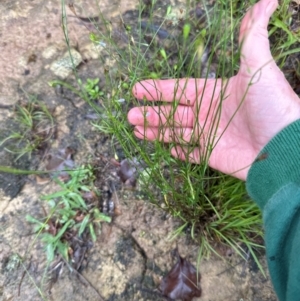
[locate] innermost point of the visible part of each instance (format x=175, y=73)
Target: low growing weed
x=74, y=216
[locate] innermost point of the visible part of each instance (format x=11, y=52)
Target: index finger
x=185, y=90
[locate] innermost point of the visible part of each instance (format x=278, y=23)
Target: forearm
x=274, y=184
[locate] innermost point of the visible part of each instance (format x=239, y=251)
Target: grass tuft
x=35, y=127
x=214, y=207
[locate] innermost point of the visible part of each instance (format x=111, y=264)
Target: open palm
x=241, y=114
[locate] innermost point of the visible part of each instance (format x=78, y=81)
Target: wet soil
x=132, y=253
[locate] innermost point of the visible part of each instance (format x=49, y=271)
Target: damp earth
x=134, y=252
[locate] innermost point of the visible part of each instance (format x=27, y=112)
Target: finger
x=167, y=135
x=185, y=91
x=182, y=116
x=188, y=154
x=253, y=39
x=200, y=154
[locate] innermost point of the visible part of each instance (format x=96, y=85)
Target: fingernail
x=134, y=90
x=139, y=131
x=271, y=6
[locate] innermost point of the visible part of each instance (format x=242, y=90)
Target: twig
x=23, y=275
x=231, y=267
x=83, y=279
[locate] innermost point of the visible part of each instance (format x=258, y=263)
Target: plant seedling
x=74, y=215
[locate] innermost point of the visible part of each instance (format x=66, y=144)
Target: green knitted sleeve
x=274, y=184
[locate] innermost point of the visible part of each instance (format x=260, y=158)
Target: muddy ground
x=132, y=253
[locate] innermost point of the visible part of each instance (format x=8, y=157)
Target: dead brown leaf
x=182, y=282
x=128, y=171
x=61, y=162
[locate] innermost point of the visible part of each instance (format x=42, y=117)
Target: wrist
x=276, y=165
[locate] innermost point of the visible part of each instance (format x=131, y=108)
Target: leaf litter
x=60, y=163
x=182, y=281
x=129, y=170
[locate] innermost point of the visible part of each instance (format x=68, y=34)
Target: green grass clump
x=199, y=43
x=73, y=212
x=35, y=126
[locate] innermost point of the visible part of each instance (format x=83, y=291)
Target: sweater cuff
x=277, y=164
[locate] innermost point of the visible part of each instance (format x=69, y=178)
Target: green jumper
x=274, y=183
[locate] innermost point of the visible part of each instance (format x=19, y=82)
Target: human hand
x=252, y=106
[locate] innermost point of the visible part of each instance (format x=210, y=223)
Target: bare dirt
x=132, y=253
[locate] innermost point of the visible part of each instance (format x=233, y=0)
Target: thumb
x=253, y=39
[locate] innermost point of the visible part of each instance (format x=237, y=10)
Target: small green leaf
x=73, y=205
x=50, y=252
x=92, y=231
x=31, y=219
x=66, y=212
x=163, y=53
x=37, y=228
x=52, y=84
x=125, y=85
x=55, y=195
x=77, y=198
x=85, y=188
x=186, y=30
x=203, y=33
x=169, y=9
x=51, y=203
x=66, y=202
x=62, y=249
x=63, y=230
x=101, y=217
x=83, y=224
x=153, y=75
x=47, y=238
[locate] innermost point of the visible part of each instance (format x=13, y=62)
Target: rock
x=51, y=51
x=91, y=51
x=64, y=66
x=8, y=100
x=11, y=184
x=8, y=94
